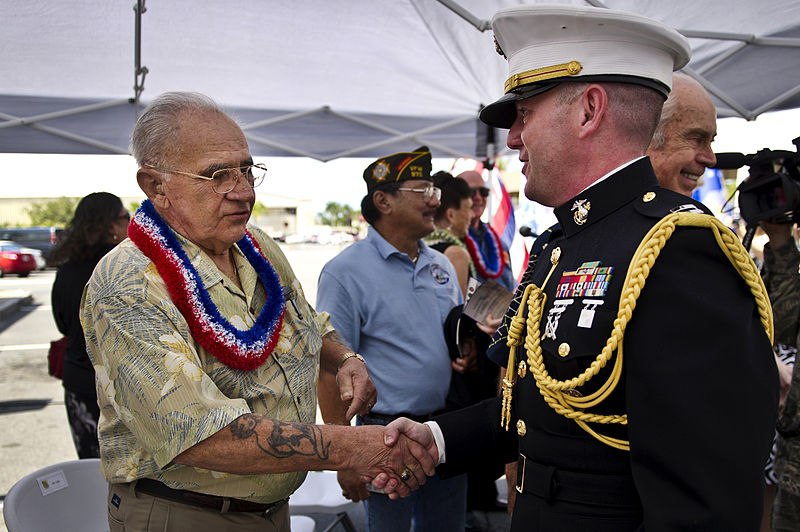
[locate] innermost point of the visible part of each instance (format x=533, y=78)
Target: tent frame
x=395, y=135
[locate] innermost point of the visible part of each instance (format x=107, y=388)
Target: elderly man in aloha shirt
x=206, y=354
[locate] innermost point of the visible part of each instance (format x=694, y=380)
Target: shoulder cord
x=557, y=393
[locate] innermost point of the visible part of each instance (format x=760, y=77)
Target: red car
x=14, y=260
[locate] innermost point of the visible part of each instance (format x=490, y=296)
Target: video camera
x=772, y=190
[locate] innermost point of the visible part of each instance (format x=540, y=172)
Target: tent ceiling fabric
x=331, y=78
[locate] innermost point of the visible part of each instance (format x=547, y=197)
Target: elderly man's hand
x=403, y=428
x=403, y=467
x=353, y=486
x=356, y=388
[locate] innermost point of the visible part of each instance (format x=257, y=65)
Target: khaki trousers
x=129, y=511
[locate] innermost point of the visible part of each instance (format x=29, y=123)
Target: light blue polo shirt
x=391, y=311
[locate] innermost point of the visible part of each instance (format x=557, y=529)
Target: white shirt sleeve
x=438, y=437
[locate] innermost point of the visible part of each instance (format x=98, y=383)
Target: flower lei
x=443, y=235
x=490, y=267
x=244, y=350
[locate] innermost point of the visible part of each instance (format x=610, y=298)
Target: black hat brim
x=503, y=112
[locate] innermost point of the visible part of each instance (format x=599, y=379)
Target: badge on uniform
x=589, y=280
x=439, y=274
x=559, y=306
x=581, y=208
x=687, y=207
x=587, y=313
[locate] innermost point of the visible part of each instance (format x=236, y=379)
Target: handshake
x=396, y=459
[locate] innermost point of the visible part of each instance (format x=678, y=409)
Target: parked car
x=14, y=260
x=41, y=264
x=41, y=238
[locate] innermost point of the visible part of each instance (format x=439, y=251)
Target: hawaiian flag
x=503, y=221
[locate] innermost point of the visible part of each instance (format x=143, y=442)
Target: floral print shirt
x=160, y=392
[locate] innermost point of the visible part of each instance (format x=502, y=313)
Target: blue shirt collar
x=386, y=249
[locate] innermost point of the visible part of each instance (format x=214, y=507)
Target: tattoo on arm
x=287, y=439
x=336, y=338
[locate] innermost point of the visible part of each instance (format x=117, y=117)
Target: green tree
x=259, y=209
x=57, y=211
x=337, y=215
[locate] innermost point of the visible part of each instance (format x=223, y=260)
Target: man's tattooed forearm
x=286, y=439
x=244, y=426
x=336, y=338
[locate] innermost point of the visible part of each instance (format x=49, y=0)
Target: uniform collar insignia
x=581, y=208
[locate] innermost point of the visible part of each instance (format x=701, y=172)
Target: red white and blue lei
x=244, y=350
x=490, y=267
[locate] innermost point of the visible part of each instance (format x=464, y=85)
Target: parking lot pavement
x=12, y=300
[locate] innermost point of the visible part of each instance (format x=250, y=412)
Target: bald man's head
x=681, y=146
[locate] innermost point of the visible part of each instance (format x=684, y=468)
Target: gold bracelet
x=350, y=355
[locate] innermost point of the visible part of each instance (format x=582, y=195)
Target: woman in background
x=100, y=222
x=452, y=221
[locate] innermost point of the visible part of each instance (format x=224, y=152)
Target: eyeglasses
x=482, y=190
x=126, y=216
x=428, y=193
x=224, y=180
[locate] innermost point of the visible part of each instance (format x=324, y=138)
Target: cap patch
x=399, y=167
x=380, y=171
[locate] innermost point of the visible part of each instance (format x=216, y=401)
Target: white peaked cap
x=548, y=44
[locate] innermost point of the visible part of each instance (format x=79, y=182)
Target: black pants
x=566, y=501
x=82, y=414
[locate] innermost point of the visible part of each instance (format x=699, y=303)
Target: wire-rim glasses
x=428, y=193
x=224, y=180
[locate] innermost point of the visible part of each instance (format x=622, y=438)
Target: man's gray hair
x=157, y=127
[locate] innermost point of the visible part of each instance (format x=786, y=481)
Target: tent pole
x=481, y=25
x=139, y=70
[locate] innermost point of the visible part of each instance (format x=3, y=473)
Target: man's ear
x=382, y=201
x=593, y=108
x=152, y=182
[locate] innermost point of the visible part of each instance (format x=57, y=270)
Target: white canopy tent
x=330, y=78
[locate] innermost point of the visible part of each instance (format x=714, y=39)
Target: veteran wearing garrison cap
x=641, y=390
x=388, y=296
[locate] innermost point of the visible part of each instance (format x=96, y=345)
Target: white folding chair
x=321, y=494
x=68, y=497
x=302, y=523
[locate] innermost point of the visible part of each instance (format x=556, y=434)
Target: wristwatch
x=350, y=355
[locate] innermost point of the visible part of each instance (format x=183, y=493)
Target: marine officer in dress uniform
x=641, y=390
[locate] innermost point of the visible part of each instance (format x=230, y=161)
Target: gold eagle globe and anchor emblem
x=581, y=208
